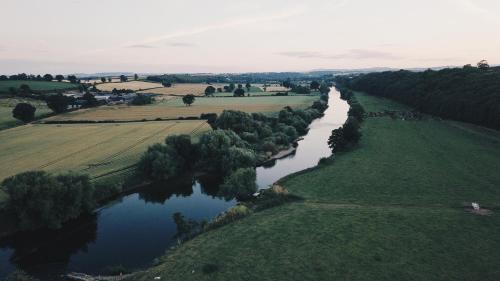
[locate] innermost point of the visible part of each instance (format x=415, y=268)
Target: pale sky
x=168, y=36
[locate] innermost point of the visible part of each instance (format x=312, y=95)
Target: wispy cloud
x=223, y=25
x=350, y=54
x=181, y=44
x=141, y=46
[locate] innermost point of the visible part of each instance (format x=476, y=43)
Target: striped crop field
x=95, y=149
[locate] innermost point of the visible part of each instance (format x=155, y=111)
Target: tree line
x=237, y=144
x=468, y=94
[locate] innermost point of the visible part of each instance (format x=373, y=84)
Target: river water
x=138, y=228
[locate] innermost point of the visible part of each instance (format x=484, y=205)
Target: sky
x=188, y=36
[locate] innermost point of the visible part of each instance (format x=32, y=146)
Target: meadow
x=35, y=85
x=94, y=149
x=394, y=208
x=175, y=108
x=8, y=104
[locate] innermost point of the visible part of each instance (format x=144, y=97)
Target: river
x=138, y=228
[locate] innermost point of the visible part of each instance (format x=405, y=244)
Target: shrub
x=214, y=144
x=142, y=100
x=58, y=103
x=235, y=213
x=24, y=112
x=240, y=184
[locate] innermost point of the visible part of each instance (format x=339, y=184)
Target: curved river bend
x=139, y=227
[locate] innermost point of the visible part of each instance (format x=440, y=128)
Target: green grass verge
x=35, y=85
x=389, y=210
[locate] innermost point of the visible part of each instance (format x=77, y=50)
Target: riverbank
x=395, y=208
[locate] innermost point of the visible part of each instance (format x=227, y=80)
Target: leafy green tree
x=166, y=84
x=248, y=86
x=123, y=78
x=351, y=130
x=315, y=85
x=188, y=100
x=141, y=99
x=48, y=77
x=214, y=144
x=72, y=79
x=209, y=91
x=24, y=112
x=59, y=77
x=240, y=184
x=25, y=89
x=237, y=157
x=90, y=100
x=483, y=65
x=324, y=89
x=39, y=199
x=356, y=111
x=160, y=162
x=136, y=77
x=58, y=103
x=110, y=79
x=287, y=84
x=336, y=140
x=185, y=149
x=237, y=121
x=239, y=92
x=103, y=79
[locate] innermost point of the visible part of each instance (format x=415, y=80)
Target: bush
x=236, y=121
x=39, y=199
x=58, y=103
x=240, y=184
x=142, y=100
x=235, y=213
x=24, y=112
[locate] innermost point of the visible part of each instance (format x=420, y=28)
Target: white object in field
x=157, y=278
x=256, y=194
x=475, y=206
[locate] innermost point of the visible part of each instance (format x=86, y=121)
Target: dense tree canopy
x=24, y=112
x=469, y=94
x=58, y=103
x=188, y=100
x=40, y=199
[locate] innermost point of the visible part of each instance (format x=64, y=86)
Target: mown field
x=8, y=104
x=131, y=85
x=95, y=149
x=392, y=209
x=175, y=108
x=35, y=85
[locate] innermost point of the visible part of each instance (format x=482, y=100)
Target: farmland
x=132, y=85
x=8, y=104
x=35, y=85
x=174, y=108
x=392, y=209
x=95, y=149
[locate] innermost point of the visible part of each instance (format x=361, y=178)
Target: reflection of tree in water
x=160, y=192
x=52, y=247
x=210, y=185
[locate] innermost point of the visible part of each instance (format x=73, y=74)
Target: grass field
x=95, y=149
x=8, y=104
x=35, y=85
x=132, y=85
x=393, y=209
x=174, y=108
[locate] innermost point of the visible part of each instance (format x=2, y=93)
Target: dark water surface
x=139, y=227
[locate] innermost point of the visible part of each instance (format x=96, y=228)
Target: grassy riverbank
x=391, y=209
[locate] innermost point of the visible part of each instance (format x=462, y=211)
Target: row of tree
x=239, y=141
x=349, y=134
x=468, y=94
x=46, y=77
